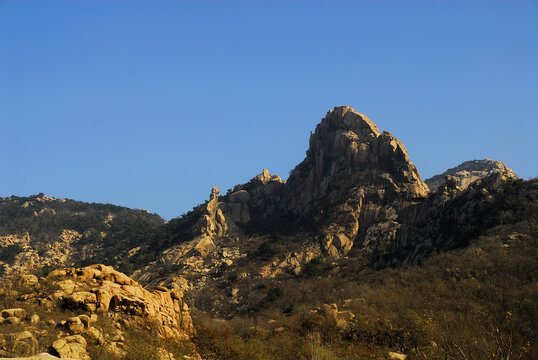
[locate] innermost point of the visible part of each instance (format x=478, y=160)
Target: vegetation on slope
x=475, y=302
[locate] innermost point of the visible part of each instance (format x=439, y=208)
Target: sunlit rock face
x=470, y=171
x=352, y=177
x=108, y=304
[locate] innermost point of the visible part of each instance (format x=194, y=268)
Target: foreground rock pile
x=73, y=309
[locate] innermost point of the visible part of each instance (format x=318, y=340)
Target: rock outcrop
x=352, y=178
x=443, y=221
x=211, y=225
x=100, y=288
x=468, y=172
x=109, y=303
x=257, y=200
x=347, y=151
x=34, y=256
x=201, y=243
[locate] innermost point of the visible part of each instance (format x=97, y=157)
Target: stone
x=204, y=246
x=28, y=281
x=117, y=293
x=41, y=356
x=34, y=319
x=74, y=325
x=265, y=177
x=70, y=347
x=396, y=356
x=11, y=320
x=241, y=196
x=351, y=171
x=228, y=262
x=21, y=343
x=18, y=313
x=85, y=320
x=94, y=336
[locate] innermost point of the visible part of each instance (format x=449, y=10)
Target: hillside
x=38, y=233
x=352, y=257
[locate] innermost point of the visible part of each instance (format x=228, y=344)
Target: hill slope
x=351, y=257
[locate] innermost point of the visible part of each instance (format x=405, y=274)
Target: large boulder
x=21, y=343
x=70, y=347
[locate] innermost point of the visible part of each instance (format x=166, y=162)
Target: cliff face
x=353, y=177
x=347, y=152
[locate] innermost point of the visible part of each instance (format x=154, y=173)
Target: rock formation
x=257, y=200
x=347, y=151
x=468, y=172
x=211, y=225
x=353, y=177
x=355, y=198
x=356, y=189
x=101, y=295
x=443, y=221
x=201, y=238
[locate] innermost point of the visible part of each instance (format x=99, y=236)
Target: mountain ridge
x=354, y=207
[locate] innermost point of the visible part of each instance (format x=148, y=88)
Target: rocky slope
x=355, y=203
x=353, y=177
x=470, y=171
x=356, y=194
x=355, y=190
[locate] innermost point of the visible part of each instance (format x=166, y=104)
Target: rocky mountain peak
x=468, y=172
x=353, y=176
x=348, y=119
x=348, y=151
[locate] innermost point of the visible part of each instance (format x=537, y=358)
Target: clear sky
x=148, y=104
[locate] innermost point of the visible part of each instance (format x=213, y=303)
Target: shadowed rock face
x=469, y=171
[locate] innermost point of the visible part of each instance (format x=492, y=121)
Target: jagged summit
x=347, y=151
x=347, y=118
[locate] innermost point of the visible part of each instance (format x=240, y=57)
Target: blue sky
x=148, y=104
